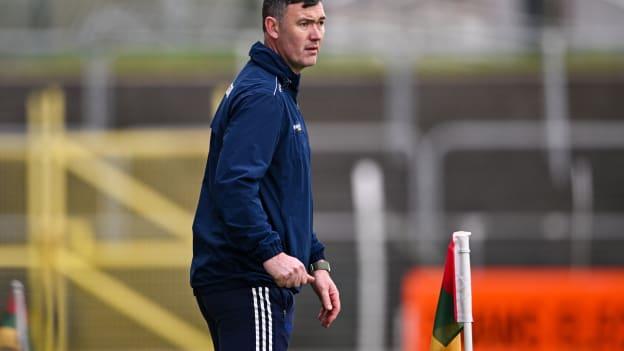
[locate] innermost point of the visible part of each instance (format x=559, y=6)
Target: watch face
x=321, y=265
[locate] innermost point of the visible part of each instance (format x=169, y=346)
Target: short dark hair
x=276, y=8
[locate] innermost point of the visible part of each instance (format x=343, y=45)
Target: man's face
x=300, y=34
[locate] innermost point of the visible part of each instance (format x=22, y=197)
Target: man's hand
x=287, y=271
x=327, y=293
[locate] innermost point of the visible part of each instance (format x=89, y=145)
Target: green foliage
x=219, y=64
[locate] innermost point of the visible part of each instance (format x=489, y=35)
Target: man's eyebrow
x=310, y=19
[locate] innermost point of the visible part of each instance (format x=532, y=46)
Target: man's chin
x=310, y=62
x=306, y=62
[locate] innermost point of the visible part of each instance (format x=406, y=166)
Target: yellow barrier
x=62, y=249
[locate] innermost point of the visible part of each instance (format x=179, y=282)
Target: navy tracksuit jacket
x=256, y=197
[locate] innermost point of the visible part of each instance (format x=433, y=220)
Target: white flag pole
x=368, y=199
x=20, y=315
x=463, y=285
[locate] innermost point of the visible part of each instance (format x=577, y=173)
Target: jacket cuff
x=267, y=251
x=319, y=255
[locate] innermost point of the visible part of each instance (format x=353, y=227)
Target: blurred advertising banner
x=521, y=309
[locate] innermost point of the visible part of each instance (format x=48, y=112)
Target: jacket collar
x=273, y=63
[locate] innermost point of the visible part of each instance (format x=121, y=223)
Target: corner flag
x=8, y=328
x=454, y=311
x=13, y=326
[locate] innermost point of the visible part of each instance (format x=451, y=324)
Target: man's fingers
x=325, y=321
x=309, y=279
x=287, y=271
x=323, y=316
x=299, y=276
x=290, y=281
x=328, y=316
x=335, y=299
x=297, y=280
x=325, y=300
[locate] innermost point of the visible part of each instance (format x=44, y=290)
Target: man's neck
x=269, y=43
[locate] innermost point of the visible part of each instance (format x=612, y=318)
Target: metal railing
x=62, y=248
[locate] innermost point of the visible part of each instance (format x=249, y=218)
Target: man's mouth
x=312, y=49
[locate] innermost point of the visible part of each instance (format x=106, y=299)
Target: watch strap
x=320, y=265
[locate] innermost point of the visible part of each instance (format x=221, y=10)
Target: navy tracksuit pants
x=248, y=319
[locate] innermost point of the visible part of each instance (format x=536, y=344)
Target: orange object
x=524, y=309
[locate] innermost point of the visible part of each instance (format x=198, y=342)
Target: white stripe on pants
x=262, y=307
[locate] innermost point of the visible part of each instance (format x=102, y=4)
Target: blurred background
x=500, y=117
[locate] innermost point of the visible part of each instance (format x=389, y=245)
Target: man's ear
x=272, y=26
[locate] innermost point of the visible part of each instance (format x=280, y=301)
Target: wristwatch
x=320, y=265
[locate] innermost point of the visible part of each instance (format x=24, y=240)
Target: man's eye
x=304, y=24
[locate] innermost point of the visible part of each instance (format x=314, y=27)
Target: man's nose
x=316, y=33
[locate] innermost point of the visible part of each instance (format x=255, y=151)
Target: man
x=252, y=235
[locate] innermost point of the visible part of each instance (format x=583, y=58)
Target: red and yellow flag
x=446, y=329
x=8, y=328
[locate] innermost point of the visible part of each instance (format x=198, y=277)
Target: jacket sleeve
x=249, y=141
x=317, y=251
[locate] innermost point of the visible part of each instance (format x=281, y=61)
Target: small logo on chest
x=229, y=90
x=297, y=128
